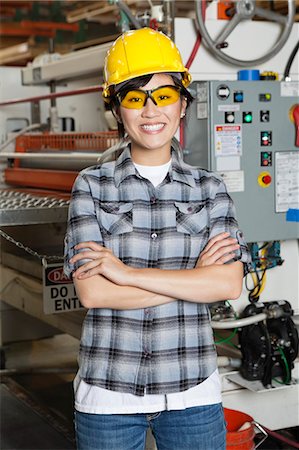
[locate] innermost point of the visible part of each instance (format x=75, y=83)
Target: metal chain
x=43, y=258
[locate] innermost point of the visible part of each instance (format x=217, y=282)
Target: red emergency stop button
x=264, y=179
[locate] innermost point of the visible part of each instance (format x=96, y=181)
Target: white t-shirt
x=96, y=400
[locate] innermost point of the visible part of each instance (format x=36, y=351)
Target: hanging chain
x=43, y=258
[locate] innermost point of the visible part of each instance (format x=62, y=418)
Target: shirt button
x=154, y=236
x=153, y=199
x=190, y=209
x=147, y=312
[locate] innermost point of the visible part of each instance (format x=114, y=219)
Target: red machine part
x=58, y=180
x=295, y=111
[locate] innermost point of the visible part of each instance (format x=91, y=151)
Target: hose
x=290, y=61
x=227, y=324
x=225, y=361
x=278, y=436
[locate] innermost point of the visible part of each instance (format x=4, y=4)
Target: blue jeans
x=198, y=428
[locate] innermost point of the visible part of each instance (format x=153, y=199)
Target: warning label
x=59, y=293
x=228, y=140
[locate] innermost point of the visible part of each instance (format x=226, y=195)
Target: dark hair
x=139, y=82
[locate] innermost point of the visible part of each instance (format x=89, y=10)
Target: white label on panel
x=234, y=180
x=202, y=110
x=228, y=107
x=289, y=89
x=286, y=181
x=228, y=140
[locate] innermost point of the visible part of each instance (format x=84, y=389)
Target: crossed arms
x=106, y=282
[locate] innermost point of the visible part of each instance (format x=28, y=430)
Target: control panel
x=247, y=131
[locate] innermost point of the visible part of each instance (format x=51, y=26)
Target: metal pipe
x=124, y=8
x=19, y=133
x=87, y=90
x=227, y=324
x=69, y=155
x=169, y=8
x=225, y=361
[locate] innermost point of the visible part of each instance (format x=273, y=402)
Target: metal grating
x=20, y=208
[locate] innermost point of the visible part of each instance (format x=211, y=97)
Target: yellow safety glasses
x=161, y=96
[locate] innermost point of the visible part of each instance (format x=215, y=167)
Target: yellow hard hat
x=141, y=52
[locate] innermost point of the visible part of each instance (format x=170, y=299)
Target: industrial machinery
x=247, y=131
x=269, y=348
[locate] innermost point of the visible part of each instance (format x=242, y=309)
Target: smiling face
x=152, y=127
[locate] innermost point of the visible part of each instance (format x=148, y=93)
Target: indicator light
x=247, y=117
x=238, y=97
x=229, y=117
x=266, y=159
x=266, y=138
x=265, y=97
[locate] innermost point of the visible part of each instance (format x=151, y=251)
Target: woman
x=147, y=244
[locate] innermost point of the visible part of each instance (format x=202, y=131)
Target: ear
x=183, y=108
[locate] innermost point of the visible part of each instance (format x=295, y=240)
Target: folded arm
x=99, y=292
x=106, y=282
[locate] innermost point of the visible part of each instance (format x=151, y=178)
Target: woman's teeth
x=153, y=127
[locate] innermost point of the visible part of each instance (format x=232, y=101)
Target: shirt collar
x=124, y=167
x=179, y=171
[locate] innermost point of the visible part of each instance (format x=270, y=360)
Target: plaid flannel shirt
x=167, y=348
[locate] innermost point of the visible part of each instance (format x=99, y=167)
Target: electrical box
x=246, y=132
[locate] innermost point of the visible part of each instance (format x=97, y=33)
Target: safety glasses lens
x=163, y=96
x=166, y=95
x=134, y=99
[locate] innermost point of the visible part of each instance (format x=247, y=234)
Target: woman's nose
x=150, y=109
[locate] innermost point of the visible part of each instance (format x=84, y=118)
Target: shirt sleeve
x=223, y=219
x=82, y=222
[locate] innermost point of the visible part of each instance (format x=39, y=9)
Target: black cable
x=290, y=61
x=264, y=245
x=255, y=297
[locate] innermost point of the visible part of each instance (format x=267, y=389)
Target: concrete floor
x=37, y=394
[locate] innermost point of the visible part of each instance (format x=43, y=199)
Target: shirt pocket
x=116, y=218
x=191, y=218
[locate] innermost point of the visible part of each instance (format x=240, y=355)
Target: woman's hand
x=103, y=262
x=219, y=250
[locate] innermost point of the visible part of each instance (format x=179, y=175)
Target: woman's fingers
x=217, y=238
x=225, y=258
x=88, y=269
x=91, y=245
x=223, y=250
x=88, y=255
x=220, y=249
x=220, y=245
